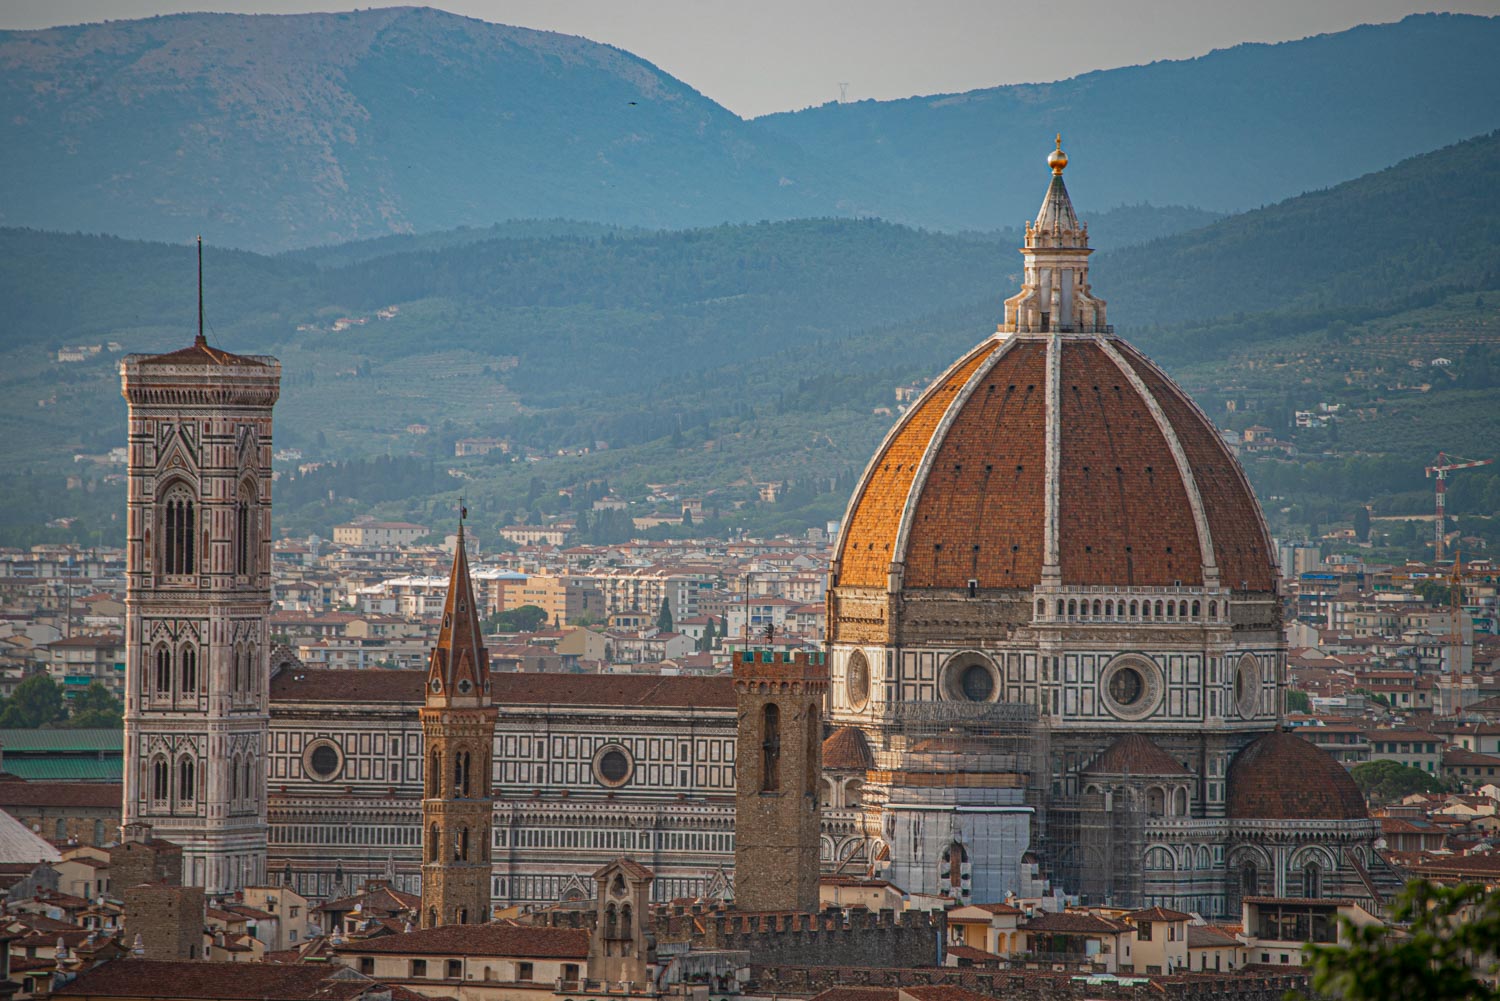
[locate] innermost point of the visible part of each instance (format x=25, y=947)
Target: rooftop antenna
x=201, y=341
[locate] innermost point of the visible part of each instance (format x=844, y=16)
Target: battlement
x=832, y=937
x=764, y=669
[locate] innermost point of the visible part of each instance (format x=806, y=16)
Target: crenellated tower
x=778, y=779
x=458, y=737
x=198, y=594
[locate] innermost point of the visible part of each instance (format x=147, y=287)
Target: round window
x=322, y=760
x=977, y=683
x=970, y=677
x=1131, y=687
x=613, y=765
x=857, y=680
x=464, y=685
x=1247, y=686
x=437, y=685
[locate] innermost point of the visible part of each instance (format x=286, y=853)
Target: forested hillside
x=278, y=132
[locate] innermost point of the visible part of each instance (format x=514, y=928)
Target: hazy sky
x=758, y=56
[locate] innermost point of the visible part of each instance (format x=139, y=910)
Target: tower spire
x=459, y=668
x=200, y=340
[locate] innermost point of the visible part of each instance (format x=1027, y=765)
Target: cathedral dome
x=1283, y=777
x=847, y=750
x=1054, y=451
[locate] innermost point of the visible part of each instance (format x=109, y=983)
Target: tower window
x=189, y=670
x=244, y=530
x=163, y=671
x=187, y=784
x=160, y=780
x=180, y=526
x=770, y=748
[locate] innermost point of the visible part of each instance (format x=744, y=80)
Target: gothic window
x=461, y=915
x=611, y=922
x=179, y=530
x=432, y=844
x=234, y=669
x=189, y=670
x=244, y=530
x=431, y=919
x=187, y=784
x=1312, y=880
x=1213, y=609
x=484, y=844
x=461, y=774
x=625, y=930
x=435, y=774
x=248, y=783
x=770, y=748
x=163, y=671
x=461, y=845
x=161, y=785
x=234, y=779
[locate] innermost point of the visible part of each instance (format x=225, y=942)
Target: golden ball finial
x=1057, y=160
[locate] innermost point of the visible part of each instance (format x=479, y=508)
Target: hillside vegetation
x=276, y=132
x=724, y=357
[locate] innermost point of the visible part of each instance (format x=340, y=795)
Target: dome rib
x=876, y=507
x=1207, y=556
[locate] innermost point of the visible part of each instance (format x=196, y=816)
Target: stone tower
x=458, y=738
x=198, y=592
x=778, y=772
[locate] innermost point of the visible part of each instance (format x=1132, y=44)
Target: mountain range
x=274, y=132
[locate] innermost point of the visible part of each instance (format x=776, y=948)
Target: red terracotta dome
x=847, y=750
x=1054, y=449
x=1283, y=777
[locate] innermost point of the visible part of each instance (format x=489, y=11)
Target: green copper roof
x=110, y=769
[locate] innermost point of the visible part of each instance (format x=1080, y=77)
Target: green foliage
x=1447, y=951
x=94, y=708
x=1386, y=781
x=525, y=619
x=664, y=617
x=36, y=702
x=1297, y=702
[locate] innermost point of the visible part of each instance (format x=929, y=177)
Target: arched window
x=1156, y=803
x=163, y=670
x=1133, y=610
x=248, y=783
x=1072, y=608
x=234, y=779
x=625, y=929
x=432, y=917
x=187, y=781
x=461, y=845
x=461, y=915
x=611, y=922
x=1061, y=607
x=770, y=748
x=179, y=530
x=160, y=779
x=1312, y=880
x=432, y=844
x=1109, y=609
x=1171, y=609
x=1179, y=802
x=434, y=774
x=812, y=754
x=1098, y=608
x=1197, y=609
x=854, y=793
x=1041, y=606
x=461, y=774
x=189, y=670
x=1158, y=609
x=234, y=668
x=244, y=530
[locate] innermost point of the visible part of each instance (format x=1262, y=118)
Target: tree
x=664, y=617
x=1390, y=780
x=1297, y=702
x=94, y=709
x=36, y=702
x=523, y=619
x=1451, y=941
x=706, y=641
x=1362, y=523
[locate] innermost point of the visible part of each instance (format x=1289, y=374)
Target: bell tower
x=778, y=774
x=197, y=598
x=458, y=739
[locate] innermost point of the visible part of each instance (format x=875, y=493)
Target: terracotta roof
x=102, y=795
x=381, y=900
x=528, y=941
x=856, y=994
x=386, y=687
x=962, y=479
x=1280, y=776
x=1463, y=756
x=200, y=353
x=1208, y=937
x=146, y=978
x=847, y=750
x=1074, y=922
x=1135, y=754
x=1158, y=914
x=628, y=864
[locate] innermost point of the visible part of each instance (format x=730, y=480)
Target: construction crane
x=1444, y=465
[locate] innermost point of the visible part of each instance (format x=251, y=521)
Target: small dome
x=1283, y=777
x=1135, y=754
x=847, y=750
